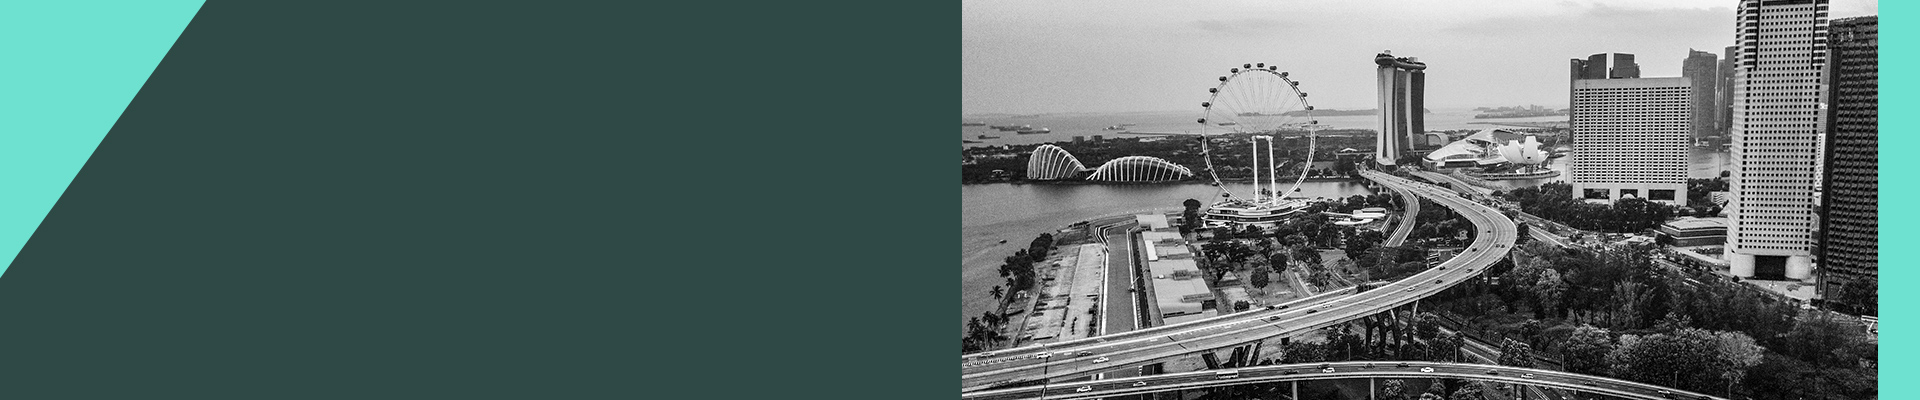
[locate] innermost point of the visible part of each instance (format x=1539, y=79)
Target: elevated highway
x=1407, y=218
x=1294, y=373
x=1094, y=355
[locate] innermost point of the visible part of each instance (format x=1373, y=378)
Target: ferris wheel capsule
x=1202, y=120
x=1235, y=70
x=1283, y=74
x=1273, y=67
x=1213, y=90
x=1246, y=65
x=1223, y=79
x=1206, y=104
x=1309, y=108
x=1262, y=65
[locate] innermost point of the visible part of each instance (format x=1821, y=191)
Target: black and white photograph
x=1414, y=200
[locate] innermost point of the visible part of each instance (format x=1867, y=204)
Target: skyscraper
x=1623, y=67
x=1777, y=129
x=1596, y=67
x=1402, y=104
x=1699, y=69
x=1630, y=138
x=1849, y=220
x=1723, y=103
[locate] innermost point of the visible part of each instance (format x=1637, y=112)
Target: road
x=1117, y=305
x=1116, y=352
x=1341, y=370
x=1486, y=353
x=1407, y=218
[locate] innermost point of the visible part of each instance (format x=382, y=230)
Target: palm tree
x=997, y=292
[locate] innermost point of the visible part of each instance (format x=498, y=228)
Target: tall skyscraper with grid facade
x=1850, y=231
x=1778, y=130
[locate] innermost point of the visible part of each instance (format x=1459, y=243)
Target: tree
x=1470, y=390
x=1394, y=389
x=1190, y=219
x=1258, y=277
x=1513, y=353
x=1690, y=359
x=997, y=292
x=1550, y=290
x=1585, y=351
x=1859, y=296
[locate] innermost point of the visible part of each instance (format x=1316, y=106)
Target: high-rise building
x=1699, y=68
x=1596, y=67
x=1850, y=230
x=1723, y=103
x=1778, y=125
x=1402, y=104
x=1630, y=139
x=1623, y=67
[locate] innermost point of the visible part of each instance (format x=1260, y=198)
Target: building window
x=1660, y=194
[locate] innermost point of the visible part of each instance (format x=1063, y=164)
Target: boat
x=970, y=141
x=973, y=124
x=1003, y=241
x=1007, y=127
x=1029, y=130
x=989, y=137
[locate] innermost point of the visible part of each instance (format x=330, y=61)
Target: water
x=1066, y=126
x=1017, y=213
x=1703, y=163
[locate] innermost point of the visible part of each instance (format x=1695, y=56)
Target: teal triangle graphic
x=71, y=68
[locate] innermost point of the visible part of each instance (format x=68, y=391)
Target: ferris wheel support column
x=1273, y=175
x=1255, y=166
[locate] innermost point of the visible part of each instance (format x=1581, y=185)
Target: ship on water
x=1029, y=130
x=973, y=124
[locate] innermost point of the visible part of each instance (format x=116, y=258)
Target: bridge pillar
x=1372, y=393
x=1296, y=390
x=1212, y=361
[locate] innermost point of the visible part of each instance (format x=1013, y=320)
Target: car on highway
x=1083, y=353
x=1426, y=369
x=1273, y=318
x=1665, y=393
x=1409, y=289
x=1312, y=311
x=1528, y=376
x=1139, y=384
x=1099, y=360
x=1084, y=389
x=1226, y=374
x=1493, y=372
x=1042, y=356
x=1400, y=365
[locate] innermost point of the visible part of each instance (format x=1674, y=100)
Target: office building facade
x=1700, y=68
x=1778, y=130
x=1723, y=101
x=1402, y=91
x=1630, y=139
x=1850, y=231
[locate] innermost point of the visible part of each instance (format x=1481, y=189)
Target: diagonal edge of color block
x=67, y=71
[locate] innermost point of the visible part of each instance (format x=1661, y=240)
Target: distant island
x=1517, y=112
x=1337, y=113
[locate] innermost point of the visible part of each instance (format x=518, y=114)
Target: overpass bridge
x=1095, y=355
x=1295, y=373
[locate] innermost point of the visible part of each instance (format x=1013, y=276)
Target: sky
x=1055, y=56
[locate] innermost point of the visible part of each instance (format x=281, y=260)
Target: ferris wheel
x=1261, y=102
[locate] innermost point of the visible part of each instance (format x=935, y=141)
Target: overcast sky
x=1026, y=56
